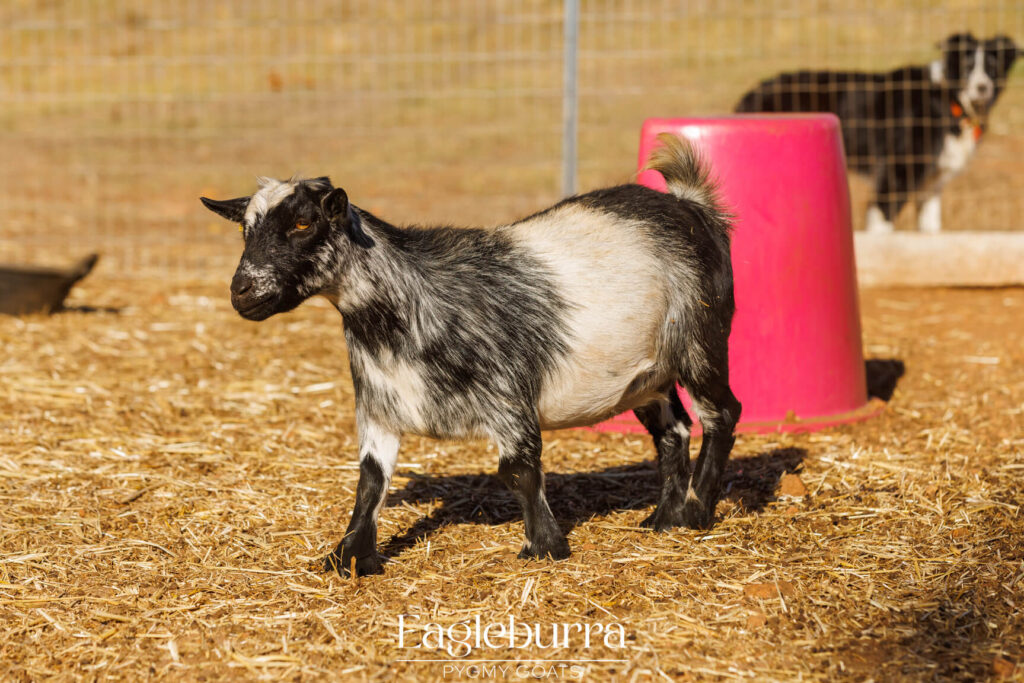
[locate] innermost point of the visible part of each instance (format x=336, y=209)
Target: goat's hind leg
x=719, y=411
x=669, y=425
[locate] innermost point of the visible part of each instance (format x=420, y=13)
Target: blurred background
x=115, y=115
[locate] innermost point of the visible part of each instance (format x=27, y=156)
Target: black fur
x=520, y=470
x=672, y=444
x=483, y=310
x=360, y=540
x=231, y=209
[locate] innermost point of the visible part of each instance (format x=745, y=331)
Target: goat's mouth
x=259, y=309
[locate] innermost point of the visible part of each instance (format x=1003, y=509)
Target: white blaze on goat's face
x=271, y=193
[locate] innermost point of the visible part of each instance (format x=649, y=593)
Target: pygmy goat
x=597, y=305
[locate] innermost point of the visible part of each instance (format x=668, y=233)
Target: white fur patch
x=349, y=295
x=263, y=280
x=381, y=445
x=595, y=257
x=709, y=415
x=876, y=222
x=929, y=215
x=937, y=72
x=667, y=418
x=691, y=495
x=979, y=87
x=271, y=193
x=399, y=379
x=957, y=151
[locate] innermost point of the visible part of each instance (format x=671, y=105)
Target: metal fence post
x=569, y=100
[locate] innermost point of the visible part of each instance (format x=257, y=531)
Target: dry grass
x=169, y=473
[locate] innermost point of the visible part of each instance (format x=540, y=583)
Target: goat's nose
x=240, y=284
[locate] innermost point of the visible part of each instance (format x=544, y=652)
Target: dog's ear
x=957, y=42
x=1005, y=51
x=955, y=49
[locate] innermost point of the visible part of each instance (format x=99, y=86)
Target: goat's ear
x=337, y=210
x=334, y=204
x=232, y=209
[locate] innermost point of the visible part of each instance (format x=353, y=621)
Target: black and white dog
x=912, y=129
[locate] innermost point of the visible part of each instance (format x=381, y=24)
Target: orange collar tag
x=958, y=112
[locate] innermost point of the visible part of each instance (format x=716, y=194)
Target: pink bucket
x=795, y=357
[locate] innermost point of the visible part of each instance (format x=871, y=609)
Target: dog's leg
x=892, y=183
x=876, y=221
x=929, y=214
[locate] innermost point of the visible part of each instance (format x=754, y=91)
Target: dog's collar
x=963, y=117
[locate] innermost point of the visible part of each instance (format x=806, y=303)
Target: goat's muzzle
x=251, y=302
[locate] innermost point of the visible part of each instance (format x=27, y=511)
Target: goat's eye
x=301, y=226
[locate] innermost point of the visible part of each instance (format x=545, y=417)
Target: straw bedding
x=169, y=475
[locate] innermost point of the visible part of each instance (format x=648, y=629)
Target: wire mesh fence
x=115, y=115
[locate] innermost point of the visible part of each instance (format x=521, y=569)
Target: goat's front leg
x=378, y=453
x=519, y=467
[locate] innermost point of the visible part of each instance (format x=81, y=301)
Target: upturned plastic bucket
x=795, y=355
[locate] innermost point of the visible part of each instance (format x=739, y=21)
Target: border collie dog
x=910, y=130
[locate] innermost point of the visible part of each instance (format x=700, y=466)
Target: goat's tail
x=688, y=176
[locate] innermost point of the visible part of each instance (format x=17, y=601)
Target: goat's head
x=297, y=235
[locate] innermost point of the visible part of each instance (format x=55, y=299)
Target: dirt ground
x=170, y=474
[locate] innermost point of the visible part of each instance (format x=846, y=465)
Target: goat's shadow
x=577, y=497
x=574, y=498
x=882, y=375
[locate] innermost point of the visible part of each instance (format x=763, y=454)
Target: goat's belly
x=583, y=394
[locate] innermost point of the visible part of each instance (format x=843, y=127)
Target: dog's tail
x=689, y=177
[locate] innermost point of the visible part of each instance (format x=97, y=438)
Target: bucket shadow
x=883, y=374
x=575, y=497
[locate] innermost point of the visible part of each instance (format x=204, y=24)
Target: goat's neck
x=379, y=291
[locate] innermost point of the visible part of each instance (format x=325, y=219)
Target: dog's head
x=976, y=69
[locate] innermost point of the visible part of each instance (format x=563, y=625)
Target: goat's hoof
x=696, y=515
x=665, y=517
x=557, y=550
x=341, y=563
